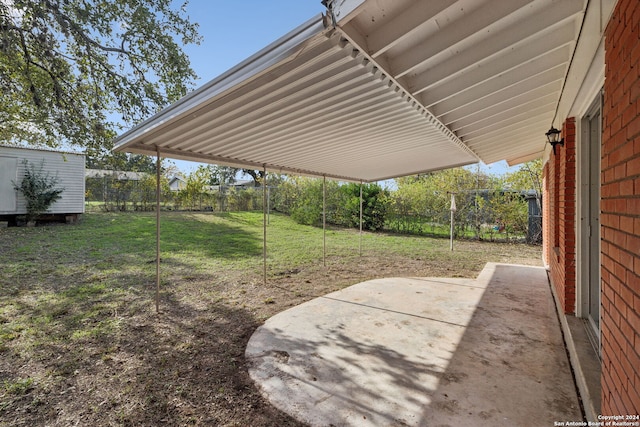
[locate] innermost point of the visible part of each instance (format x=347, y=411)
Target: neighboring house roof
x=177, y=179
x=119, y=175
x=384, y=88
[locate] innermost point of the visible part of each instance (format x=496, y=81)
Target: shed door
x=8, y=195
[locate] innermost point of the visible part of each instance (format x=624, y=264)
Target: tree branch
x=65, y=21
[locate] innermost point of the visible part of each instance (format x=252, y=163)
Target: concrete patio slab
x=421, y=352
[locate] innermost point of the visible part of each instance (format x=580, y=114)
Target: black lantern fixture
x=553, y=136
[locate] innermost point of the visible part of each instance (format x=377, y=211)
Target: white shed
x=67, y=166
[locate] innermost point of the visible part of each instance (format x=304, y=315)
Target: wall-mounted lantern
x=553, y=137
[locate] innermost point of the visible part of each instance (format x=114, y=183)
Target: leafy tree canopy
x=122, y=162
x=69, y=69
x=221, y=175
x=256, y=175
x=527, y=177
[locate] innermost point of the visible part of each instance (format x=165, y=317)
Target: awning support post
x=453, y=211
x=157, y=229
x=264, y=224
x=268, y=201
x=324, y=221
x=451, y=233
x=360, y=218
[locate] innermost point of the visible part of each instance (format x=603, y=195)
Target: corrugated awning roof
x=380, y=89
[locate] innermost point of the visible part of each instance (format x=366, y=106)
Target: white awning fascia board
x=586, y=78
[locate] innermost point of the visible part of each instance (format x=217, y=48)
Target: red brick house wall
x=620, y=213
x=560, y=215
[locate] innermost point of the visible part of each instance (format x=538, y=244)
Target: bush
x=39, y=190
x=342, y=203
x=374, y=206
x=307, y=207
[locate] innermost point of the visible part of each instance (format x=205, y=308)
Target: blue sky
x=234, y=30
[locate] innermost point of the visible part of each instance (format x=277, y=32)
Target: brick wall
x=620, y=217
x=560, y=234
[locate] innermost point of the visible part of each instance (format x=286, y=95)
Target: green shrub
x=374, y=206
x=39, y=190
x=307, y=207
x=342, y=203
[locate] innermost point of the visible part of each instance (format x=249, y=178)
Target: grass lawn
x=81, y=344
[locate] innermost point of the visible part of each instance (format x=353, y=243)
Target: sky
x=234, y=30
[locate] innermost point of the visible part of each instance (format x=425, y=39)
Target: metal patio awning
x=382, y=88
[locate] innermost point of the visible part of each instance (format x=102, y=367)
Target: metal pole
x=264, y=225
x=324, y=221
x=453, y=210
x=476, y=201
x=157, y=229
x=451, y=232
x=360, y=218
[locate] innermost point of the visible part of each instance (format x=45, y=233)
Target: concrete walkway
x=421, y=352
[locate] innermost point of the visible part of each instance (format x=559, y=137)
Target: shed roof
x=41, y=148
x=380, y=89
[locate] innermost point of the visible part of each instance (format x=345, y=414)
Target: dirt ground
x=184, y=366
